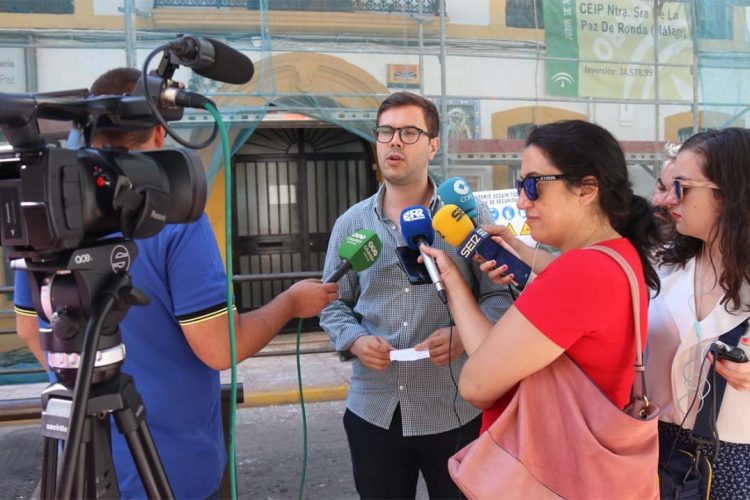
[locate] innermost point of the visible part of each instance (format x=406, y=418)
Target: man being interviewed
x=400, y=416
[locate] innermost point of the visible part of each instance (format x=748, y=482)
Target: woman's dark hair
x=725, y=156
x=400, y=99
x=581, y=149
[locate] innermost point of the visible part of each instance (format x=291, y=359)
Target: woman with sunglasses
x=576, y=193
x=706, y=294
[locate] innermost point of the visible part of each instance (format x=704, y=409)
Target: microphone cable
x=304, y=414
x=453, y=379
x=157, y=114
x=219, y=125
x=690, y=407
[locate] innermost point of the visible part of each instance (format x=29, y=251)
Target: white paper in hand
x=408, y=355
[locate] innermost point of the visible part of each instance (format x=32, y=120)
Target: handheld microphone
x=456, y=191
x=212, y=59
x=358, y=251
x=458, y=230
x=416, y=228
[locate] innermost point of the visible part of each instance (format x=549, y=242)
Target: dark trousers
x=386, y=464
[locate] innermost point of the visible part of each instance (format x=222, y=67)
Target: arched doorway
x=291, y=186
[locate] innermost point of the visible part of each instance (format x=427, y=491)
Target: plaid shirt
x=381, y=301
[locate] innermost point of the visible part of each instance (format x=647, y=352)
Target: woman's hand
x=448, y=270
x=497, y=274
x=736, y=374
x=502, y=236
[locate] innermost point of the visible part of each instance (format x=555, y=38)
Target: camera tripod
x=91, y=286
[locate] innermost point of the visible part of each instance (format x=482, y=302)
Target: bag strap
x=638, y=391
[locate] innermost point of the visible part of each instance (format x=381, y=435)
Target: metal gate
x=291, y=186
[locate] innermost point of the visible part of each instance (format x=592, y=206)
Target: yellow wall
x=673, y=124
x=538, y=115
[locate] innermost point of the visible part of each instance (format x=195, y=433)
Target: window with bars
x=524, y=14
x=37, y=6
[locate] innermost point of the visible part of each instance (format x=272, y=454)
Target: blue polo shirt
x=181, y=271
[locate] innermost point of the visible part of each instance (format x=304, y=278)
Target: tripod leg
x=79, y=482
x=146, y=459
x=131, y=421
x=162, y=482
x=49, y=468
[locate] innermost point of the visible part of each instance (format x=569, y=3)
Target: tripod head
x=69, y=286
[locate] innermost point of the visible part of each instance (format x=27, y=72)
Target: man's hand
x=372, y=351
x=437, y=343
x=312, y=296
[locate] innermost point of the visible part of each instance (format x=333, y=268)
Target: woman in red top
x=575, y=190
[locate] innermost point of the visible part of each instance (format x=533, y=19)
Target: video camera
x=55, y=198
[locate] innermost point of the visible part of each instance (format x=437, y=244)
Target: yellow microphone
x=458, y=230
x=452, y=224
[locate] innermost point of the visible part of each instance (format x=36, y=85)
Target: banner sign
x=604, y=38
x=504, y=211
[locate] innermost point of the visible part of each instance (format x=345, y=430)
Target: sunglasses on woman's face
x=529, y=184
x=681, y=185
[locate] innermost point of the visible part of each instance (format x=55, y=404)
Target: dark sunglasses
x=529, y=184
x=681, y=184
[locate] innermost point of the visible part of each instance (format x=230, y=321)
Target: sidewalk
x=270, y=377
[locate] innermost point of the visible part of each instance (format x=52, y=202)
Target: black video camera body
x=53, y=199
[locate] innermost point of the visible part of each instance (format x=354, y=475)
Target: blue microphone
x=456, y=191
x=416, y=228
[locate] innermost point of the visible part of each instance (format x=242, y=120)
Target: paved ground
x=269, y=455
x=269, y=428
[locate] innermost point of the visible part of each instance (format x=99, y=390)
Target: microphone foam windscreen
x=361, y=249
x=416, y=222
x=456, y=191
x=452, y=224
x=230, y=66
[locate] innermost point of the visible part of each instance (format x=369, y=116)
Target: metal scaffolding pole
x=128, y=10
x=443, y=96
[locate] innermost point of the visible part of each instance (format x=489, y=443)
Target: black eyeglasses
x=408, y=135
x=528, y=184
x=681, y=184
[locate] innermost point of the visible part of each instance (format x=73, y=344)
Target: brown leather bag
x=561, y=437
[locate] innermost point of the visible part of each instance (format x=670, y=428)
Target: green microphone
x=358, y=251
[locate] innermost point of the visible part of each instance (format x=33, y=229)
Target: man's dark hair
x=119, y=81
x=400, y=99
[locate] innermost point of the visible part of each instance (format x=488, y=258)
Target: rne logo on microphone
x=413, y=214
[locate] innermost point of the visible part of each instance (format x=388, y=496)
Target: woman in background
x=705, y=294
x=660, y=199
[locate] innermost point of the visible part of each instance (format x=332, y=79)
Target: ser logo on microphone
x=457, y=214
x=412, y=215
x=470, y=246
